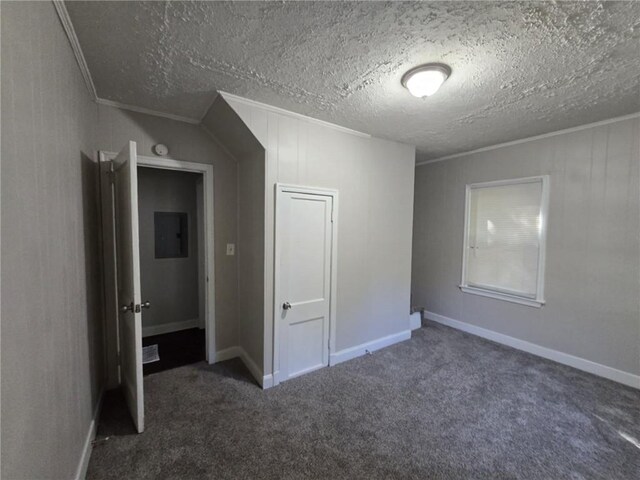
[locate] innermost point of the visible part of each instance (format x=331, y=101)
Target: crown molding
x=147, y=111
x=299, y=116
x=67, y=25
x=63, y=14
x=531, y=139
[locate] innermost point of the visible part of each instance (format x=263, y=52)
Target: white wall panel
x=375, y=180
x=593, y=250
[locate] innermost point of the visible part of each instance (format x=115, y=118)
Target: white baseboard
x=251, y=365
x=169, y=327
x=268, y=381
x=415, y=321
x=83, y=465
x=583, y=364
x=364, y=348
x=227, y=354
x=265, y=381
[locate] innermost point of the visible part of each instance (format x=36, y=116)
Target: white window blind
x=504, y=240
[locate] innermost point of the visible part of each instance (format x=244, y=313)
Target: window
x=171, y=235
x=504, y=244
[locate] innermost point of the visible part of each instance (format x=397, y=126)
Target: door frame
x=281, y=188
x=109, y=260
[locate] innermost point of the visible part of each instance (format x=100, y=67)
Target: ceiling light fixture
x=425, y=80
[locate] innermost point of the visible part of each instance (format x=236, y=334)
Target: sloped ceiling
x=519, y=68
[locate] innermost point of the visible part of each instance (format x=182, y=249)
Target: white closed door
x=304, y=236
x=125, y=176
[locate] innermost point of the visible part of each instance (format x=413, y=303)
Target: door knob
x=286, y=306
x=127, y=308
x=146, y=304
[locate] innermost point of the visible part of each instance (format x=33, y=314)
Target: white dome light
x=425, y=80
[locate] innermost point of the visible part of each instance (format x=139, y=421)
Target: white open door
x=125, y=176
x=303, y=279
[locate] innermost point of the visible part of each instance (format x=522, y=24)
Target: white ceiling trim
x=531, y=139
x=133, y=108
x=67, y=25
x=63, y=14
x=299, y=116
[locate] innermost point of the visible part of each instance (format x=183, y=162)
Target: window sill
x=502, y=296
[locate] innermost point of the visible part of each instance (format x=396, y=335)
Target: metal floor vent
x=150, y=354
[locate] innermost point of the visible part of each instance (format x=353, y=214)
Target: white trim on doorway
x=274, y=379
x=208, y=277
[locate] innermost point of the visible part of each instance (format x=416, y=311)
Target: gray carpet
x=443, y=405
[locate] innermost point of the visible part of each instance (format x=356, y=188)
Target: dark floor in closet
x=176, y=349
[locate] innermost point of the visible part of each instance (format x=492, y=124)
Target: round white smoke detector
x=160, y=149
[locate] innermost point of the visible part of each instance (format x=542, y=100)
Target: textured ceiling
x=519, y=69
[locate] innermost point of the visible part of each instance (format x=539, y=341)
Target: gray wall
x=170, y=284
x=375, y=179
x=52, y=359
x=224, y=122
x=592, y=270
x=251, y=255
x=52, y=331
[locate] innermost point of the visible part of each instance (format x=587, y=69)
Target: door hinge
x=111, y=173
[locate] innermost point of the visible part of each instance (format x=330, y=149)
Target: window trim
x=465, y=287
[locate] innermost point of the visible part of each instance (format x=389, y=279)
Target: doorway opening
x=157, y=222
x=171, y=237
